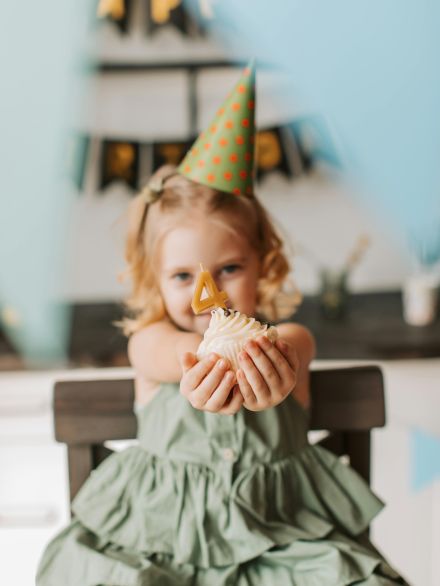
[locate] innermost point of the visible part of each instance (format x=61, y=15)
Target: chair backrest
x=347, y=402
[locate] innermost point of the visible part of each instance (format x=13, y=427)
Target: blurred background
x=89, y=112
x=144, y=86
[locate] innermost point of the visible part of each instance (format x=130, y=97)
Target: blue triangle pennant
x=425, y=459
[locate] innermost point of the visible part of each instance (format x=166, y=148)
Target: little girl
x=223, y=488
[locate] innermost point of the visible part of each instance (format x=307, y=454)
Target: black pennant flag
x=173, y=12
x=120, y=20
x=271, y=153
x=119, y=162
x=169, y=153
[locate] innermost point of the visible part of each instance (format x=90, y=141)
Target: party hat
x=223, y=155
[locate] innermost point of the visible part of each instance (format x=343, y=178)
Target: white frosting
x=227, y=334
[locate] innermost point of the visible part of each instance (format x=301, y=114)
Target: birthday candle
x=215, y=297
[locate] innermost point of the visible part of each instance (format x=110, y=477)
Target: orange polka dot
x=227, y=175
x=249, y=190
x=236, y=191
x=187, y=169
x=247, y=71
x=194, y=151
x=223, y=141
x=229, y=124
x=216, y=160
x=243, y=174
x=233, y=157
x=236, y=106
x=220, y=111
x=207, y=146
x=241, y=89
x=251, y=104
x=239, y=139
x=248, y=157
x=214, y=128
x=245, y=122
x=210, y=177
x=201, y=163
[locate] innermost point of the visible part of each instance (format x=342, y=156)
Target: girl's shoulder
x=303, y=343
x=292, y=329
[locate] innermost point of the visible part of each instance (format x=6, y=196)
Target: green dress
x=218, y=500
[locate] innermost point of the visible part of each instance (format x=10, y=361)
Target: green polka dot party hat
x=222, y=157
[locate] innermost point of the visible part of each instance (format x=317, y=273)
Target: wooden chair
x=348, y=402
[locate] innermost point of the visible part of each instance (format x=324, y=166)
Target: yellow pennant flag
x=160, y=10
x=113, y=8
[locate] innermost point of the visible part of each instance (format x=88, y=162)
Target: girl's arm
x=156, y=351
x=302, y=340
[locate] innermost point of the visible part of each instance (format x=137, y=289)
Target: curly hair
x=149, y=222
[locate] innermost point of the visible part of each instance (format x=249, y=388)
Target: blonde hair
x=147, y=224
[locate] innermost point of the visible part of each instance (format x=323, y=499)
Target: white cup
x=419, y=296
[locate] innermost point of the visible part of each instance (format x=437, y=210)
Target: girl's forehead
x=201, y=241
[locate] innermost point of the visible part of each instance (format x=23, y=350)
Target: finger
x=235, y=403
x=245, y=389
x=289, y=352
x=254, y=378
x=221, y=393
x=187, y=361
x=202, y=393
x=264, y=364
x=279, y=359
x=195, y=375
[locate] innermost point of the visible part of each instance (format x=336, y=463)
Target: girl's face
x=229, y=257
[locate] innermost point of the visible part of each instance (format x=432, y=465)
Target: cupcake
x=229, y=331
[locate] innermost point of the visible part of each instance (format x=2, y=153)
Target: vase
x=333, y=293
x=420, y=299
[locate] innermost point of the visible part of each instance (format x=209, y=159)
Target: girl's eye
x=182, y=277
x=229, y=269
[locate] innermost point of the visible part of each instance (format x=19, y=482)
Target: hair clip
x=152, y=191
x=154, y=188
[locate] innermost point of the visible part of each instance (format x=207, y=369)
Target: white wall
x=320, y=213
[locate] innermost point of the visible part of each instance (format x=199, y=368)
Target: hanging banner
x=159, y=13
x=291, y=149
x=119, y=162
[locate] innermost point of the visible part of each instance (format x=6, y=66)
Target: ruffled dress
x=219, y=500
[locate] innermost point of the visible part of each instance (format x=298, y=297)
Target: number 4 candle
x=215, y=297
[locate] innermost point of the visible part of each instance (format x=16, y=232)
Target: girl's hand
x=208, y=383
x=268, y=373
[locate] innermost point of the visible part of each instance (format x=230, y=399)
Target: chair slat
x=93, y=411
x=80, y=461
x=347, y=399
x=94, y=396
